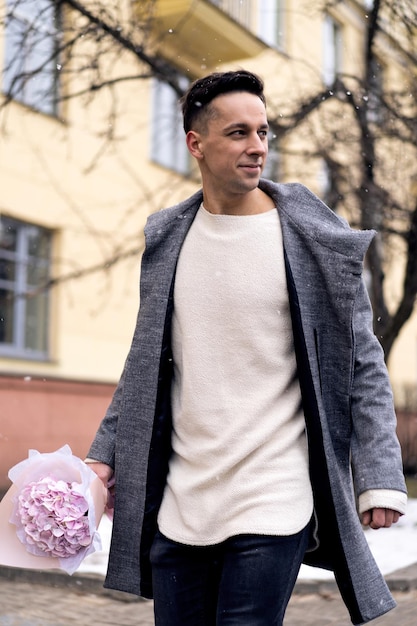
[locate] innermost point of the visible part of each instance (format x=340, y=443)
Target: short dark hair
x=202, y=91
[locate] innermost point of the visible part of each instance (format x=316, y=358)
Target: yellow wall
x=96, y=196
x=51, y=175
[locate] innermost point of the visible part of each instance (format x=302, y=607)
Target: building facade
x=91, y=143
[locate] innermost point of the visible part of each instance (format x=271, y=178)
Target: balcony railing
x=239, y=11
x=200, y=35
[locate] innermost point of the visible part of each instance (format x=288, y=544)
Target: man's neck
x=256, y=201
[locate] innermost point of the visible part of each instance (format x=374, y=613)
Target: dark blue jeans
x=245, y=581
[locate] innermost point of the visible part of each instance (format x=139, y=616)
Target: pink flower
x=53, y=514
x=57, y=506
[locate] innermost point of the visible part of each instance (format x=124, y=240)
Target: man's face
x=234, y=145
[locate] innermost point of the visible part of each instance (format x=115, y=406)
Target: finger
x=378, y=518
x=389, y=517
x=366, y=518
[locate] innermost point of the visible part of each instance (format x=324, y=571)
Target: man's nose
x=257, y=145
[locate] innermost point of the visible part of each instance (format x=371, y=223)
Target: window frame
x=375, y=110
x=272, y=168
x=20, y=286
x=332, y=49
x=272, y=31
x=42, y=41
x=167, y=143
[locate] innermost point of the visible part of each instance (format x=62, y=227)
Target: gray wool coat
x=346, y=395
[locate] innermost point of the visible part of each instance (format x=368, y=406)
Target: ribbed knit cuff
x=383, y=499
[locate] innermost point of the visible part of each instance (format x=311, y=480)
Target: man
x=254, y=396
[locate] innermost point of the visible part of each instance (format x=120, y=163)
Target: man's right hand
x=106, y=475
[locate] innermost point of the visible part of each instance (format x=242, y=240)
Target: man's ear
x=194, y=144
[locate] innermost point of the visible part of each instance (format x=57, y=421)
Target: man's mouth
x=253, y=166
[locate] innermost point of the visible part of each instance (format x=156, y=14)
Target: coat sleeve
x=104, y=444
x=376, y=453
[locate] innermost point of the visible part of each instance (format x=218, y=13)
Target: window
x=271, y=22
x=376, y=110
x=168, y=147
x=332, y=50
x=24, y=269
x=324, y=180
x=273, y=161
x=30, y=59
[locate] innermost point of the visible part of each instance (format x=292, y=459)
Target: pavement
x=52, y=598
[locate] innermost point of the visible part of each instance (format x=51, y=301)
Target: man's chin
x=250, y=184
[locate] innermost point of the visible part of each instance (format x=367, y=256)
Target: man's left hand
x=380, y=518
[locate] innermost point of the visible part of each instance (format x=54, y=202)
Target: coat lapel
x=325, y=261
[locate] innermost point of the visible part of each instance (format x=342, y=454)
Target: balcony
x=197, y=36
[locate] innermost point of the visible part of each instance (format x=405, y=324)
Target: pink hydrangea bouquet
x=56, y=505
x=53, y=518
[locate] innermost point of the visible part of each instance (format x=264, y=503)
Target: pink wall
x=45, y=414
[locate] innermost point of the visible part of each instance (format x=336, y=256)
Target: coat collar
x=300, y=210
x=310, y=231
x=303, y=212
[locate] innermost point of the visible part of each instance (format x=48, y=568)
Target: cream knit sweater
x=240, y=462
